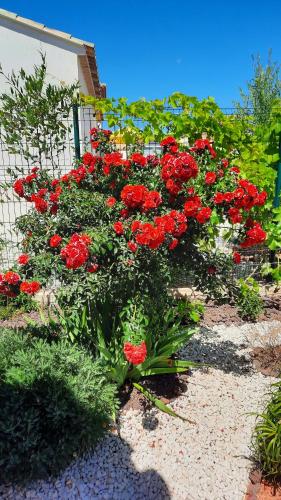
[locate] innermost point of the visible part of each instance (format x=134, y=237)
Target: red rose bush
x=112, y=231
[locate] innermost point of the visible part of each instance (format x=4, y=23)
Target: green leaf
x=158, y=403
x=161, y=371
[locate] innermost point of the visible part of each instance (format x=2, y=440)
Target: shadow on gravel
x=221, y=354
x=108, y=473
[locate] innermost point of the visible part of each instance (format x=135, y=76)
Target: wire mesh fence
x=12, y=207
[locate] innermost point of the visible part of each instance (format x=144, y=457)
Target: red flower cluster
x=203, y=215
x=5, y=289
x=135, y=354
x=38, y=198
x=98, y=137
x=169, y=144
x=23, y=259
x=76, y=252
x=11, y=285
x=192, y=206
x=148, y=235
x=254, y=236
x=177, y=169
x=153, y=161
x=235, y=215
x=30, y=287
x=140, y=197
x=201, y=144
x=138, y=159
x=11, y=278
x=245, y=197
x=173, y=223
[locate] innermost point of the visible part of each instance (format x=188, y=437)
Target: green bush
x=248, y=301
x=21, y=304
x=55, y=403
x=267, y=437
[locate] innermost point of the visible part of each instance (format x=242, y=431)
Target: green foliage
x=267, y=437
x=40, y=111
x=164, y=334
x=21, y=304
x=160, y=117
x=248, y=301
x=254, y=146
x=263, y=92
x=55, y=402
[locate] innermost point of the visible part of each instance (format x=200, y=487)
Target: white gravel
x=159, y=457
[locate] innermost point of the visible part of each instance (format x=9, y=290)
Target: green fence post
x=76, y=132
x=276, y=201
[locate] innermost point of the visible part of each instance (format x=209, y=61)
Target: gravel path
x=159, y=457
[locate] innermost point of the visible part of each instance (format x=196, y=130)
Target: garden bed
x=210, y=457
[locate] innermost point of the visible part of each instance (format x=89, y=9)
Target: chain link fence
x=77, y=139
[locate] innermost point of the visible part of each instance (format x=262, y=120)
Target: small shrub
x=20, y=304
x=55, y=403
x=267, y=437
x=248, y=301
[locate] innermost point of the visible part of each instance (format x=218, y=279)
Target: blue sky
x=153, y=48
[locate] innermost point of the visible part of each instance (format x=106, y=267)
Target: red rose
x=87, y=159
x=236, y=257
x=135, y=354
x=124, y=213
x=40, y=205
x=118, y=228
x=76, y=252
x=11, y=278
x=201, y=144
x=30, y=287
x=92, y=268
x=110, y=202
x=192, y=206
x=174, y=243
x=203, y=215
x=18, y=187
x=132, y=246
x=168, y=141
x=55, y=241
x=114, y=159
x=23, y=259
x=153, y=160
x=254, y=236
x=152, y=200
x=210, y=178
x=133, y=196
x=235, y=215
x=149, y=235
x=139, y=159
x=29, y=178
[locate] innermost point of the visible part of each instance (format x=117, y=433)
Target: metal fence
x=77, y=140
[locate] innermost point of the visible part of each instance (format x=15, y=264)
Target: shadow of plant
x=106, y=473
x=207, y=347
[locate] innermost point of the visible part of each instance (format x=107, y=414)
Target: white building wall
x=20, y=47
